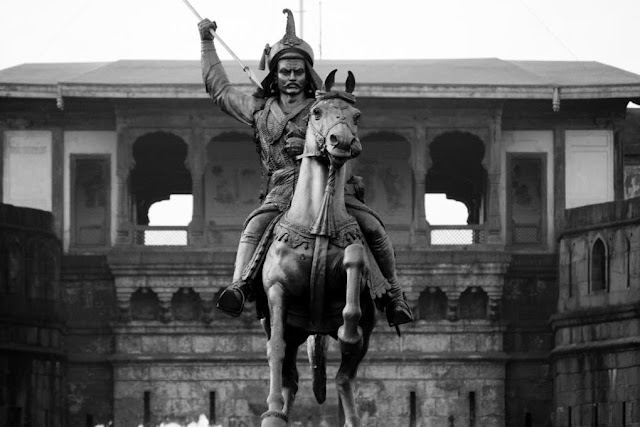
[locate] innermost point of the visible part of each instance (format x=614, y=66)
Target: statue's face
x=292, y=76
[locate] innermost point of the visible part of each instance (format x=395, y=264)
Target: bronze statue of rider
x=278, y=113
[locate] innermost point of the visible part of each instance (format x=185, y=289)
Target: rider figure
x=278, y=114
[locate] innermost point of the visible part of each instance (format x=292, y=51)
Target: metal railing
x=457, y=234
x=161, y=235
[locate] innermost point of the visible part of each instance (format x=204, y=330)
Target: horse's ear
x=330, y=80
x=351, y=83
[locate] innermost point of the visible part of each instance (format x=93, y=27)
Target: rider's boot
x=396, y=307
x=232, y=299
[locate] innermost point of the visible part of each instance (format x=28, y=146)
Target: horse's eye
x=356, y=118
x=317, y=112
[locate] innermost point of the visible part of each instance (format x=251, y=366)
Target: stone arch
x=232, y=179
x=186, y=305
x=599, y=265
x=385, y=168
x=457, y=170
x=473, y=303
x=432, y=304
x=160, y=169
x=145, y=305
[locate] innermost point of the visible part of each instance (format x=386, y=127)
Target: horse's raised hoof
x=232, y=300
x=274, y=419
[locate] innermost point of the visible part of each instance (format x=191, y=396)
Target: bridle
x=320, y=136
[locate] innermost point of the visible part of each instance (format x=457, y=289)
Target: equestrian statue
x=315, y=258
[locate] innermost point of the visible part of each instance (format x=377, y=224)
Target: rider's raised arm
x=232, y=101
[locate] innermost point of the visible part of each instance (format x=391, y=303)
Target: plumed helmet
x=290, y=47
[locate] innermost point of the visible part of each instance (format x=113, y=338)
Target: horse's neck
x=309, y=193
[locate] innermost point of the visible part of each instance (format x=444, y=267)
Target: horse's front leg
x=275, y=416
x=350, y=336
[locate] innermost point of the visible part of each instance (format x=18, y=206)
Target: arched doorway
x=160, y=174
x=456, y=178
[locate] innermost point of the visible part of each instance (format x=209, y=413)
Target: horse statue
x=314, y=274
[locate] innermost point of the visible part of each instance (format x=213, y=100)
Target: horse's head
x=333, y=123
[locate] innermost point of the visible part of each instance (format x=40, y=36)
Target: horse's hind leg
x=352, y=345
x=275, y=416
x=293, y=339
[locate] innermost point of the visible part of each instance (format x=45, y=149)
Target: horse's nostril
x=333, y=139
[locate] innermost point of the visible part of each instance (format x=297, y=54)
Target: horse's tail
x=317, y=351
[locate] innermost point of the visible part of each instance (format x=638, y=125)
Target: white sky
x=108, y=30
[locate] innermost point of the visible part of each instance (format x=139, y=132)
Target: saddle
x=252, y=274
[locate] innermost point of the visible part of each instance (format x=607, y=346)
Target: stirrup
x=232, y=299
x=398, y=312
x=396, y=307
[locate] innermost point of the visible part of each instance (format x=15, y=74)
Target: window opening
x=145, y=305
x=432, y=305
x=175, y=212
x=457, y=173
x=212, y=407
x=146, y=414
x=473, y=303
x=628, y=262
x=526, y=199
x=472, y=409
x=412, y=409
x=569, y=420
x=443, y=211
x=90, y=194
x=160, y=174
x=598, y=266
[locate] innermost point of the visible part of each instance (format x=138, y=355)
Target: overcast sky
x=108, y=30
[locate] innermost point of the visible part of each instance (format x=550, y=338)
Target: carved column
x=57, y=190
x=3, y=128
x=125, y=164
x=419, y=165
x=208, y=299
x=494, y=308
x=492, y=163
x=197, y=162
x=164, y=298
x=453, y=298
x=123, y=296
x=494, y=292
x=411, y=293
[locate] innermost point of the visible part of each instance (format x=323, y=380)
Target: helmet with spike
x=289, y=47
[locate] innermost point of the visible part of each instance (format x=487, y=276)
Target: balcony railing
x=161, y=235
x=457, y=234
